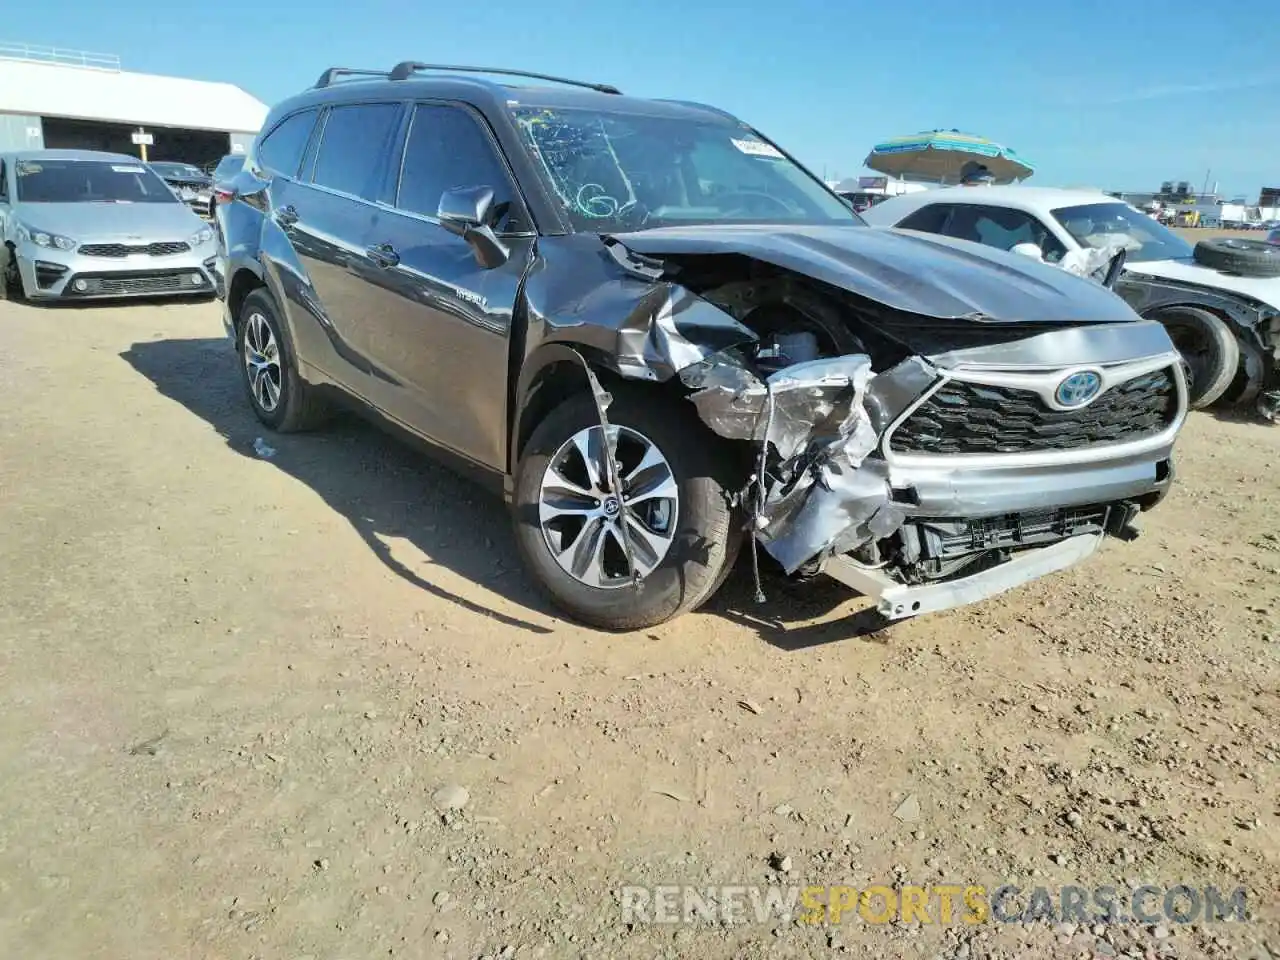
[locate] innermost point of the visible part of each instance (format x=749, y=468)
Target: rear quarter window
x=281, y=150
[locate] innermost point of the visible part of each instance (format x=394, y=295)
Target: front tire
x=11, y=285
x=279, y=396
x=1210, y=348
x=674, y=509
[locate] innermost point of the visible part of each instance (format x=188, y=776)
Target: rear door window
x=928, y=219
x=355, y=146
x=1003, y=229
x=447, y=149
x=281, y=150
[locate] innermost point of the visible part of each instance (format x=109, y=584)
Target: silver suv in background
x=663, y=338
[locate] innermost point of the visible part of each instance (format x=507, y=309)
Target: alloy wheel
x=589, y=527
x=262, y=361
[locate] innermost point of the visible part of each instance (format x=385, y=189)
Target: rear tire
x=1210, y=348
x=279, y=396
x=705, y=533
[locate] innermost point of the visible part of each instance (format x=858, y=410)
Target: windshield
x=179, y=171
x=89, y=181
x=618, y=172
x=1100, y=224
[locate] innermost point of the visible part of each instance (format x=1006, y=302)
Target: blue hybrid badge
x=1078, y=389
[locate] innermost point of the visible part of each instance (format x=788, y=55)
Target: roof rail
x=701, y=106
x=405, y=70
x=335, y=73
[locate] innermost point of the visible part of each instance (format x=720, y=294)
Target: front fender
x=1149, y=297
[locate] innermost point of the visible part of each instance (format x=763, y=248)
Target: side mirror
x=1031, y=250
x=1116, y=268
x=470, y=213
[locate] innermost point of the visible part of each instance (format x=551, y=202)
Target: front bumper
x=1031, y=513
x=896, y=600
x=52, y=274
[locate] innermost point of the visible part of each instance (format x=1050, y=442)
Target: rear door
x=259, y=222
x=443, y=322
x=327, y=219
x=1002, y=228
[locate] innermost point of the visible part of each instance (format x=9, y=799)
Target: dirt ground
x=1192, y=234
x=307, y=705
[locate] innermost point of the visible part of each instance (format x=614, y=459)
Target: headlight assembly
x=203, y=235
x=42, y=238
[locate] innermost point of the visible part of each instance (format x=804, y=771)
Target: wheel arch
x=552, y=375
x=1149, y=298
x=244, y=280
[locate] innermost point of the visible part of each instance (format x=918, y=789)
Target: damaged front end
x=809, y=497
x=924, y=461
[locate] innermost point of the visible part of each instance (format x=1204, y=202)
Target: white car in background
x=1220, y=300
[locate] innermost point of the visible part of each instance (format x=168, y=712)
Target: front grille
x=962, y=418
x=124, y=284
x=123, y=249
x=109, y=285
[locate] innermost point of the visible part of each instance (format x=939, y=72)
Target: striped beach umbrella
x=939, y=155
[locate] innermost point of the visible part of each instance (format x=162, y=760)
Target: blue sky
x=1095, y=92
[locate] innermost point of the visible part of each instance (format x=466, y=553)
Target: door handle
x=286, y=216
x=384, y=255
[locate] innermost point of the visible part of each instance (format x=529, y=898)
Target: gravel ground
x=307, y=705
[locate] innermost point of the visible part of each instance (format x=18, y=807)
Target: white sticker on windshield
x=127, y=169
x=757, y=148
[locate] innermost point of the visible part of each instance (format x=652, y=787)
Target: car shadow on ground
x=795, y=615
x=1245, y=413
x=389, y=492
x=102, y=303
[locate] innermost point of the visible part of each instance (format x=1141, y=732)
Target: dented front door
x=440, y=322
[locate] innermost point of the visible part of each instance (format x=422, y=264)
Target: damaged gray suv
x=665, y=339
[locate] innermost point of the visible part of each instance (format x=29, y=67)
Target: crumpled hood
x=1265, y=289
x=93, y=222
x=903, y=269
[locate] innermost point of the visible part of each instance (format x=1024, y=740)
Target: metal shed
x=70, y=99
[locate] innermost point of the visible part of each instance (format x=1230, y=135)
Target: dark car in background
x=193, y=186
x=663, y=338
